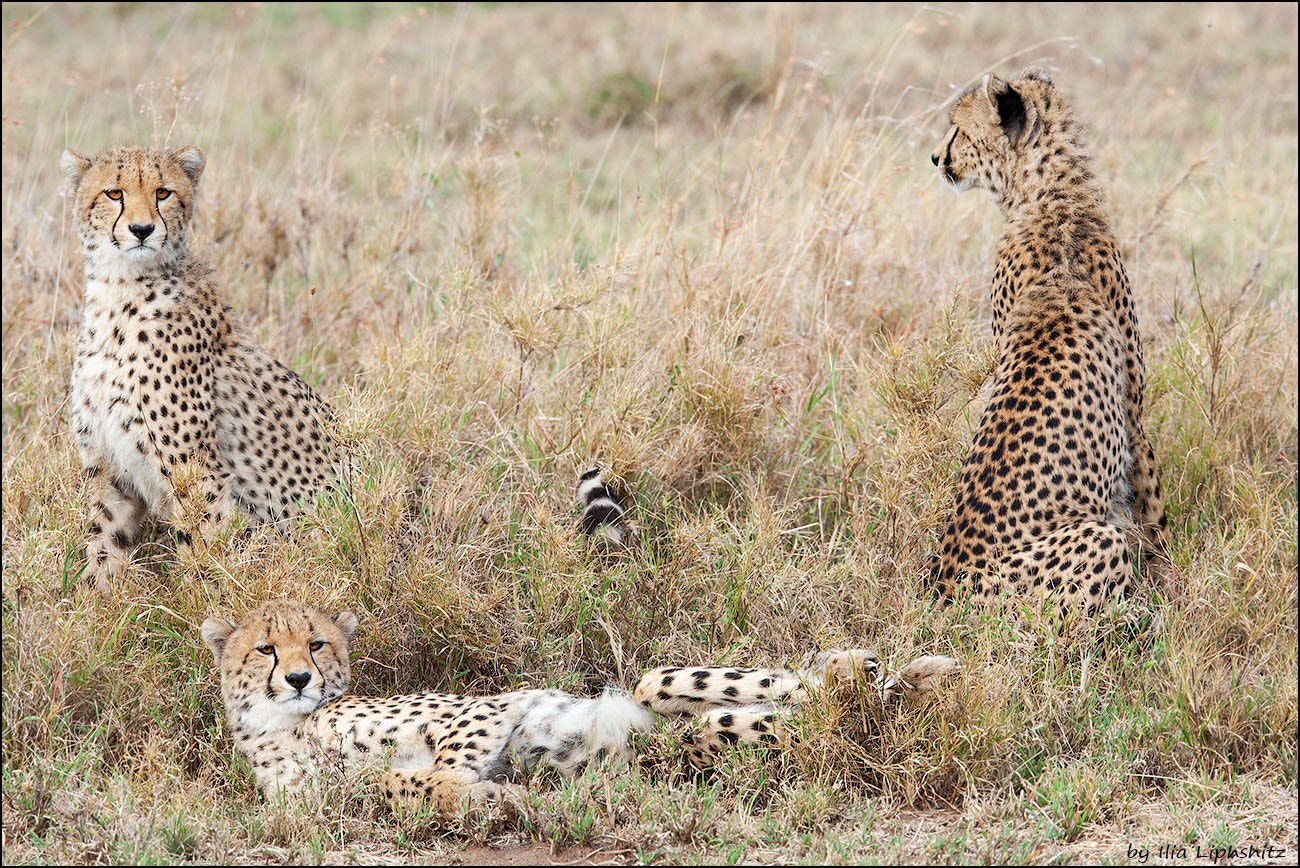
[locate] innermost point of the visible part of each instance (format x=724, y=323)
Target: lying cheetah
x=284, y=676
x=284, y=673
x=1061, y=470
x=168, y=393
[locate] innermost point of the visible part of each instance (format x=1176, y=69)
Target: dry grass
x=703, y=245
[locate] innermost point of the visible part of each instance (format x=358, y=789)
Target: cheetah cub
x=284, y=679
x=284, y=676
x=1061, y=477
x=169, y=395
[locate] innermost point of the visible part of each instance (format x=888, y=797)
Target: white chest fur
x=106, y=389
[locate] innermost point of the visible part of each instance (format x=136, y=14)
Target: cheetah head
x=132, y=205
x=992, y=126
x=279, y=662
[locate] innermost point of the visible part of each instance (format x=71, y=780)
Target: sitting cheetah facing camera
x=284, y=676
x=166, y=387
x=1061, y=472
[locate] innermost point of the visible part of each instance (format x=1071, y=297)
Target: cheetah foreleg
x=1148, y=509
x=201, y=501
x=116, y=517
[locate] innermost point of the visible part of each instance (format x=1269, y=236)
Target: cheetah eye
x=266, y=649
x=162, y=193
x=114, y=194
x=317, y=645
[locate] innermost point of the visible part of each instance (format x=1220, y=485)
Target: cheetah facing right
x=1061, y=468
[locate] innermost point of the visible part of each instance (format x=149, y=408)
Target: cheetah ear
x=215, y=633
x=74, y=168
x=1036, y=73
x=347, y=622
x=994, y=90
x=191, y=160
x=1009, y=110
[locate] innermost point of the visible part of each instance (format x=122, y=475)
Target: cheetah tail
x=603, y=514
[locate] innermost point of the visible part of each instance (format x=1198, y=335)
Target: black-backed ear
x=74, y=168
x=215, y=633
x=1036, y=73
x=347, y=622
x=192, y=161
x=1009, y=110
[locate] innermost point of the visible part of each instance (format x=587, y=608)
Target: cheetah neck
x=1054, y=179
x=1055, y=212
x=262, y=715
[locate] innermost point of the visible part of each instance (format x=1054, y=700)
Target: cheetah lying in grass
x=168, y=393
x=284, y=678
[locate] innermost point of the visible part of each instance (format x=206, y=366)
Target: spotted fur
x=750, y=706
x=284, y=676
x=172, y=403
x=1061, y=475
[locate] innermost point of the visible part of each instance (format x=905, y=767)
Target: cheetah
x=1061, y=478
x=169, y=394
x=284, y=676
x=284, y=671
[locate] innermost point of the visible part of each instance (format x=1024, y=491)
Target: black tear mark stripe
x=947, y=151
x=275, y=658
x=311, y=655
x=121, y=207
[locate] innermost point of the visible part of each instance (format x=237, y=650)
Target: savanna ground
x=703, y=245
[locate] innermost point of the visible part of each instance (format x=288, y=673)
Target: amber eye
x=162, y=193
x=317, y=645
x=113, y=194
x=266, y=649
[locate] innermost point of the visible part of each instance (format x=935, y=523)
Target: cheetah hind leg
x=744, y=706
x=715, y=731
x=451, y=792
x=116, y=518
x=919, y=678
x=1085, y=565
x=765, y=724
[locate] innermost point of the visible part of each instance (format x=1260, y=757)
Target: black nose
x=298, y=680
x=141, y=232
x=934, y=158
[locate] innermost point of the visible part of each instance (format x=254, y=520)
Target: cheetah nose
x=141, y=232
x=934, y=158
x=298, y=680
